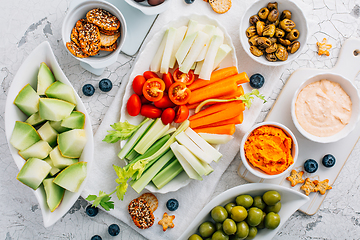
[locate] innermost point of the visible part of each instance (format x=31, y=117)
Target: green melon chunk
x=71, y=177
x=76, y=120
x=33, y=172
x=59, y=161
x=48, y=134
x=23, y=136
x=61, y=91
x=45, y=78
x=35, y=119
x=55, y=109
x=27, y=100
x=40, y=149
x=72, y=143
x=54, y=193
x=54, y=170
x=57, y=126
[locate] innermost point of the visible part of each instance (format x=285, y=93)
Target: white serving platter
x=27, y=73
x=143, y=64
x=290, y=201
x=347, y=66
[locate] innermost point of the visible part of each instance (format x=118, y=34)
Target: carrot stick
x=216, y=117
x=224, y=129
x=215, y=76
x=235, y=120
x=217, y=108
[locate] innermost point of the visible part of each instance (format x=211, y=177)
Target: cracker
x=108, y=40
x=75, y=50
x=74, y=36
x=151, y=200
x=308, y=187
x=141, y=213
x=106, y=32
x=103, y=19
x=167, y=221
x=220, y=6
x=89, y=38
x=110, y=48
x=322, y=186
x=295, y=177
x=323, y=47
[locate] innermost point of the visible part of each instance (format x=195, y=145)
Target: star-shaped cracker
x=323, y=47
x=167, y=221
x=322, y=186
x=308, y=187
x=295, y=177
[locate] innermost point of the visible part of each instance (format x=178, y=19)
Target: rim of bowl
x=258, y=172
x=148, y=9
x=244, y=40
x=354, y=117
x=103, y=61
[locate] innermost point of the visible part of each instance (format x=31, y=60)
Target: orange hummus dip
x=269, y=149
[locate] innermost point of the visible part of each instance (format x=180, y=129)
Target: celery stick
x=167, y=174
x=134, y=139
x=132, y=155
x=139, y=185
x=153, y=134
x=194, y=161
x=171, y=130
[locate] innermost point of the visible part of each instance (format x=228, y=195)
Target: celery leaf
x=122, y=131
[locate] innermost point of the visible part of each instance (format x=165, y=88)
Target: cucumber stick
x=200, y=168
x=167, y=174
x=146, y=177
x=134, y=139
x=154, y=133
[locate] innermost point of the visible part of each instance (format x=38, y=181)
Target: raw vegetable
x=235, y=120
x=209, y=30
x=223, y=51
x=179, y=94
x=180, y=33
x=133, y=105
x=181, y=113
x=123, y=130
x=168, y=80
x=138, y=84
x=169, y=45
x=209, y=59
x=150, y=111
x=149, y=74
x=153, y=89
x=216, y=138
x=164, y=102
x=224, y=129
x=168, y=116
x=167, y=174
x=186, y=78
x=217, y=108
x=156, y=61
x=185, y=47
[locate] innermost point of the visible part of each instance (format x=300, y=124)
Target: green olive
x=252, y=233
x=219, y=235
x=219, y=214
x=229, y=206
x=272, y=220
x=258, y=202
x=254, y=216
x=218, y=226
x=245, y=200
x=206, y=229
x=262, y=224
x=195, y=237
x=238, y=213
x=274, y=208
x=242, y=230
x=229, y=226
x=271, y=197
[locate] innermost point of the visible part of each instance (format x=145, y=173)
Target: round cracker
x=220, y=6
x=151, y=200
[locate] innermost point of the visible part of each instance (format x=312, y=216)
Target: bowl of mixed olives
x=249, y=211
x=150, y=7
x=273, y=33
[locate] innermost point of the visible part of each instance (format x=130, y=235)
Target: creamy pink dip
x=323, y=108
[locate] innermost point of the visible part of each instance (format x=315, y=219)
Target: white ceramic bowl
x=103, y=58
x=291, y=201
x=148, y=9
x=258, y=172
x=349, y=88
x=297, y=16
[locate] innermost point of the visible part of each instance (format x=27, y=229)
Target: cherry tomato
x=150, y=111
x=149, y=74
x=144, y=100
x=164, y=102
x=179, y=93
x=182, y=113
x=187, y=79
x=138, y=84
x=153, y=89
x=168, y=80
x=168, y=116
x=133, y=105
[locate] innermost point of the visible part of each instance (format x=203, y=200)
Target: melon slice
x=45, y=79
x=76, y=120
x=61, y=91
x=27, y=100
x=55, y=109
x=40, y=149
x=59, y=161
x=33, y=172
x=71, y=177
x=48, y=134
x=72, y=143
x=54, y=170
x=35, y=119
x=23, y=136
x=57, y=126
x=54, y=193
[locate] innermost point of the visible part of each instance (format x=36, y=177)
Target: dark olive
x=282, y=55
x=272, y=220
x=272, y=6
x=246, y=200
x=271, y=197
x=219, y=235
x=292, y=35
x=253, y=19
x=207, y=229
x=253, y=40
x=263, y=13
x=258, y=202
x=242, y=230
x=287, y=25
x=285, y=42
x=286, y=14
x=273, y=15
x=229, y=226
x=252, y=233
x=195, y=237
x=269, y=30
x=155, y=2
x=229, y=206
x=251, y=31
x=275, y=208
x=294, y=46
x=260, y=25
x=254, y=216
x=219, y=214
x=264, y=43
x=279, y=33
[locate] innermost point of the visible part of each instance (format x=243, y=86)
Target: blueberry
x=92, y=211
x=189, y=1
x=172, y=204
x=88, y=90
x=257, y=81
x=105, y=85
x=310, y=165
x=328, y=160
x=96, y=237
x=114, y=229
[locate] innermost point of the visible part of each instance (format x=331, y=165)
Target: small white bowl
x=148, y=9
x=297, y=16
x=102, y=59
x=258, y=172
x=349, y=88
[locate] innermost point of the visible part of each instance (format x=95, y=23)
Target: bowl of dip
x=269, y=150
x=325, y=108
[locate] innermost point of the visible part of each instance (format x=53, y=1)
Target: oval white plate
x=27, y=73
x=143, y=64
x=291, y=201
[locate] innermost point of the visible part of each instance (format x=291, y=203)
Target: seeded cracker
x=151, y=199
x=141, y=213
x=89, y=38
x=220, y=6
x=308, y=187
x=106, y=40
x=103, y=19
x=322, y=186
x=75, y=50
x=295, y=177
x=110, y=48
x=106, y=32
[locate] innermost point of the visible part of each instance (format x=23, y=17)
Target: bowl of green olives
x=249, y=211
x=273, y=33
x=150, y=7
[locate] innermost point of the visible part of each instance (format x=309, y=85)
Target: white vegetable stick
x=168, y=50
x=216, y=138
x=219, y=32
x=185, y=47
x=210, y=30
x=223, y=51
x=208, y=65
x=156, y=61
x=192, y=27
x=193, y=66
x=194, y=161
x=180, y=34
x=198, y=67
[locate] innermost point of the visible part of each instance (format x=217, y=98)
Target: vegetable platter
x=143, y=64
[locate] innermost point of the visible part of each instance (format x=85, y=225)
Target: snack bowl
x=258, y=172
x=297, y=16
x=349, y=88
x=77, y=12
x=291, y=201
x=149, y=9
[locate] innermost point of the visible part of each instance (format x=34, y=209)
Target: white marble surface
x=25, y=24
